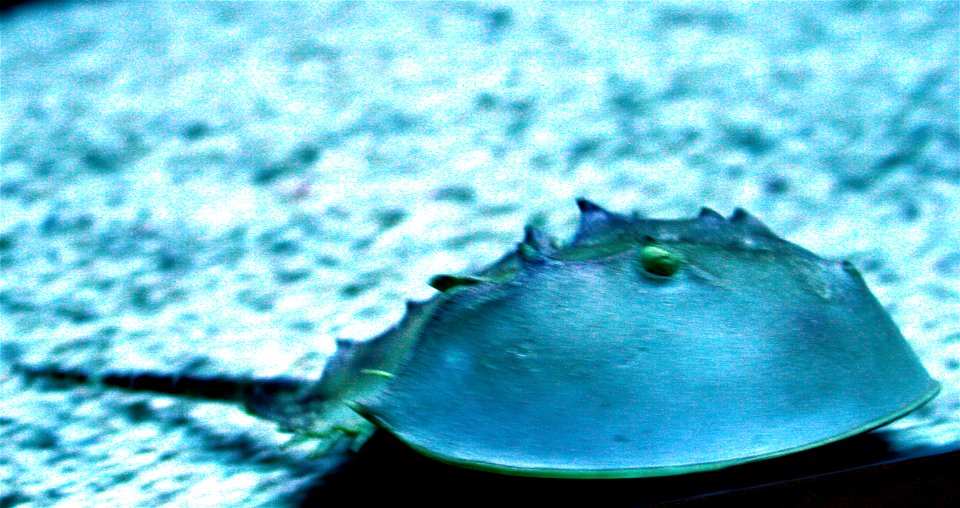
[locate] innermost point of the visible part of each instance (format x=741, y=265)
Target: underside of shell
x=641, y=348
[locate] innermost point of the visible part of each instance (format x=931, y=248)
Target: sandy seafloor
x=224, y=188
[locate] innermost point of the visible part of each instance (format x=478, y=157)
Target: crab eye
x=659, y=261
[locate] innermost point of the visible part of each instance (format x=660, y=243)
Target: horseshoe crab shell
x=642, y=348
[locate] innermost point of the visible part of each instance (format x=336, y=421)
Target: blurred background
x=225, y=188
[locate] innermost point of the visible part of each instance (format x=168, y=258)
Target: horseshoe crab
x=641, y=348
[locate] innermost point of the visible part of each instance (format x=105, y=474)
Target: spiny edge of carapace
x=602, y=233
x=741, y=229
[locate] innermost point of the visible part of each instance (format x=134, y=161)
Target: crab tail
x=252, y=393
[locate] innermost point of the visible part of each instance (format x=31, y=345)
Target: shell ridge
x=710, y=215
x=536, y=238
x=597, y=224
x=750, y=224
